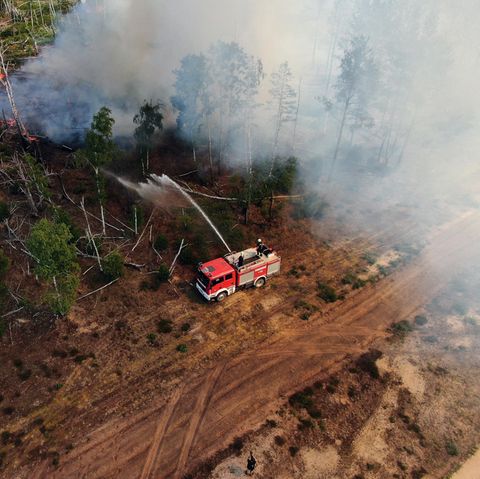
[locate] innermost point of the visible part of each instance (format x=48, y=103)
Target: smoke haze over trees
x=373, y=84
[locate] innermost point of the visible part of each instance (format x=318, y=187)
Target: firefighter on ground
x=251, y=464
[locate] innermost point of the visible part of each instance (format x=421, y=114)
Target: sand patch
x=270, y=301
x=456, y=324
x=370, y=443
x=411, y=376
x=319, y=464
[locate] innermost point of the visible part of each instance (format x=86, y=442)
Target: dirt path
x=238, y=395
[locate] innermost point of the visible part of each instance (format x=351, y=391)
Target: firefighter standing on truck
x=261, y=248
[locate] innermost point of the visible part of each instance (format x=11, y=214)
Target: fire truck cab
x=222, y=277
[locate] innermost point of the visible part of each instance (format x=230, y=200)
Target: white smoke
x=121, y=52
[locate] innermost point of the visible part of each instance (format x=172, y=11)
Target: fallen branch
x=187, y=189
x=143, y=232
x=135, y=265
x=120, y=222
x=156, y=252
x=189, y=173
x=90, y=236
x=97, y=290
x=67, y=196
x=12, y=312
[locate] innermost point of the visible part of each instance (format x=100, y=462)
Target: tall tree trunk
x=210, y=158
x=407, y=139
x=100, y=199
x=339, y=139
x=296, y=118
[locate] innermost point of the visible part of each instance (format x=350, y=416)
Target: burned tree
x=148, y=120
x=29, y=177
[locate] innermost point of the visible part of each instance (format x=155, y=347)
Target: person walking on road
x=251, y=464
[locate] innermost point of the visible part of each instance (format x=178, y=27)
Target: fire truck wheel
x=260, y=282
x=221, y=297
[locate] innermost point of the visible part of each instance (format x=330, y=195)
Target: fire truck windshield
x=203, y=280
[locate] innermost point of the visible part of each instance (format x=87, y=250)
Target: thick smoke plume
x=417, y=110
x=121, y=52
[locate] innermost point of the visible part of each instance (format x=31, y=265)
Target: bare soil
x=163, y=419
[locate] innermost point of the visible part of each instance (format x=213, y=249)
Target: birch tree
x=148, y=119
x=99, y=151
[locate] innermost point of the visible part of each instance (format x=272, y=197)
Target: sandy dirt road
x=237, y=395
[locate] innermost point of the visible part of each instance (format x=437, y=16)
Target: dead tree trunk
x=5, y=81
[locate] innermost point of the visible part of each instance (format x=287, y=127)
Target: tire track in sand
x=199, y=411
x=162, y=427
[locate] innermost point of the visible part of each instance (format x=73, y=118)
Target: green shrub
x=237, y=445
x=353, y=280
x=188, y=257
x=369, y=257
x=451, y=448
x=314, y=412
x=92, y=246
x=305, y=424
x=460, y=308
x=331, y=389
x=420, y=320
x=470, y=321
x=160, y=243
x=301, y=399
x=310, y=206
x=4, y=264
x=4, y=211
x=6, y=435
x=18, y=363
x=186, y=327
x=152, y=339
x=401, y=328
x=279, y=440
x=326, y=292
x=182, y=348
x=367, y=363
x=112, y=266
x=62, y=300
x=61, y=216
x=163, y=274
x=164, y=326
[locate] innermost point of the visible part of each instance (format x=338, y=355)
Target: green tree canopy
x=148, y=120
x=50, y=244
x=99, y=146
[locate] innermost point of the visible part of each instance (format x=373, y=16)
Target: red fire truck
x=222, y=277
